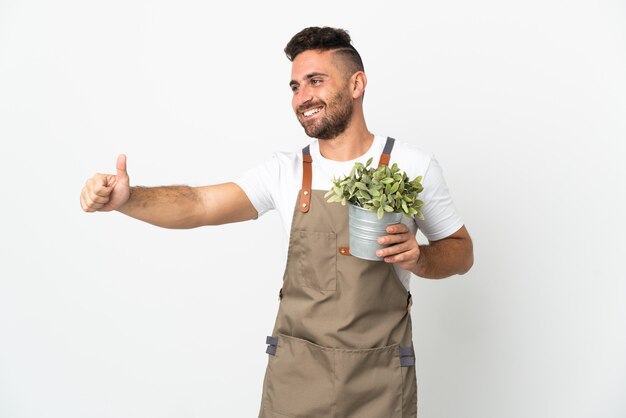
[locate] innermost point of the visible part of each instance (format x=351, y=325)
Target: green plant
x=380, y=190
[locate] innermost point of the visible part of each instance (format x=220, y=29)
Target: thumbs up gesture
x=106, y=192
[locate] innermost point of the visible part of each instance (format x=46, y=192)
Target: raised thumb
x=121, y=166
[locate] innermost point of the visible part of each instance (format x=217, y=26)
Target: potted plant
x=376, y=198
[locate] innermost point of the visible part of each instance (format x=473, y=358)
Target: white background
x=523, y=103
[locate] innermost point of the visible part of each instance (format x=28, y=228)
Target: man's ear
x=358, y=81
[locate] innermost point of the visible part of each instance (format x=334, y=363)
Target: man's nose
x=303, y=96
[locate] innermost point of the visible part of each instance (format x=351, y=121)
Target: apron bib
x=342, y=345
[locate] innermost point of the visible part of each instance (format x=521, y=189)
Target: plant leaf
x=373, y=192
x=360, y=185
x=363, y=194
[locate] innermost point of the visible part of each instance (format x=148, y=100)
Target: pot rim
x=373, y=211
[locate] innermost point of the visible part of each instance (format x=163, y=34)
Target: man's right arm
x=178, y=207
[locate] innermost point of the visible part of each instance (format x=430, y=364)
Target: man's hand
x=437, y=260
x=404, y=251
x=106, y=192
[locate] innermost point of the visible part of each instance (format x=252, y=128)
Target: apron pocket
x=308, y=381
x=369, y=383
x=315, y=255
x=299, y=379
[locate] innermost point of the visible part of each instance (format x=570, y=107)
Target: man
x=342, y=344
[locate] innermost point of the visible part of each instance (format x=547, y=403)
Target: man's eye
x=294, y=89
x=316, y=82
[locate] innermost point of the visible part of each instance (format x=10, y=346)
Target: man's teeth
x=311, y=111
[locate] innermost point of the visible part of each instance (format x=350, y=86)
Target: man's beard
x=335, y=120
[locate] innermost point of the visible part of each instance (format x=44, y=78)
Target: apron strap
x=307, y=172
x=307, y=180
x=386, y=155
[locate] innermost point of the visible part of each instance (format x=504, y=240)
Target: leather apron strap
x=307, y=180
x=386, y=155
x=307, y=172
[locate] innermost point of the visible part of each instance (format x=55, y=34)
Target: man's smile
x=312, y=111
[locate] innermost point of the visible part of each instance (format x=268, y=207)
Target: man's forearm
x=166, y=206
x=445, y=258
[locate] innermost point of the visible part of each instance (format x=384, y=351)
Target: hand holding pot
x=403, y=248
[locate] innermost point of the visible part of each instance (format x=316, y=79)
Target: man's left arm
x=437, y=260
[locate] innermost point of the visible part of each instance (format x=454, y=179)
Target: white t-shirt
x=275, y=184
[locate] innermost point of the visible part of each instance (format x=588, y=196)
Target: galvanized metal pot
x=365, y=228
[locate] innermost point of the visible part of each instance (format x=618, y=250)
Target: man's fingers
x=394, y=249
x=96, y=192
x=103, y=187
x=87, y=204
x=397, y=228
x=100, y=185
x=91, y=203
x=83, y=204
x=98, y=181
x=412, y=254
x=102, y=198
x=393, y=239
x=120, y=165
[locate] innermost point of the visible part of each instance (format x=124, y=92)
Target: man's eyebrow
x=311, y=75
x=308, y=77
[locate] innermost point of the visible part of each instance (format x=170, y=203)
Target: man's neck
x=347, y=146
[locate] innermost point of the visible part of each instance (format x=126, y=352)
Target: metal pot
x=365, y=228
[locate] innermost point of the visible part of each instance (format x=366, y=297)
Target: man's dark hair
x=325, y=39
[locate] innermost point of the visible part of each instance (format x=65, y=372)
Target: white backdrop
x=523, y=103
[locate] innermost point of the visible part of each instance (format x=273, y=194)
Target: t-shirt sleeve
x=256, y=182
x=440, y=216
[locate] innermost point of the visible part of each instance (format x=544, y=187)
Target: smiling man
x=342, y=344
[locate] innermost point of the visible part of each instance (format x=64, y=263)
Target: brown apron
x=341, y=345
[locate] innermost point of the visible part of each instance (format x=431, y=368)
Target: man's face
x=321, y=97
